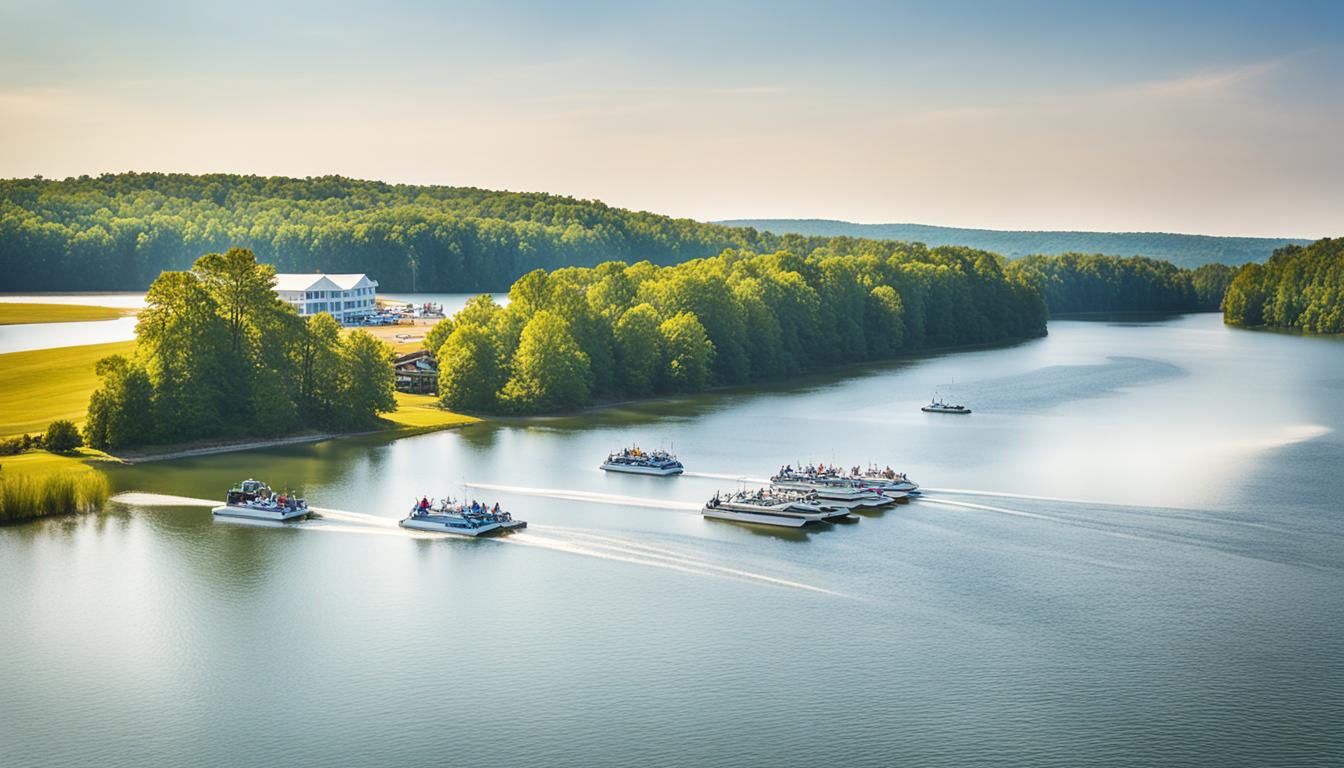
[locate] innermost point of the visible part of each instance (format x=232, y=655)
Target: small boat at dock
x=635, y=461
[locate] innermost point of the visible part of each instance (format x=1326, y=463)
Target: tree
x=62, y=437
x=368, y=380
x=688, y=353
x=884, y=322
x=182, y=342
x=120, y=410
x=317, y=367
x=469, y=372
x=550, y=372
x=638, y=349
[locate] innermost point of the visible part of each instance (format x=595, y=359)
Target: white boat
x=634, y=461
x=447, y=518
x=765, y=508
x=830, y=486
x=938, y=405
x=254, y=500
x=887, y=481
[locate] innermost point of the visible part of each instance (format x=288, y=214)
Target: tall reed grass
x=61, y=493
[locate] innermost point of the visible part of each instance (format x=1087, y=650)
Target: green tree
x=469, y=372
x=120, y=410
x=638, y=349
x=884, y=322
x=183, y=344
x=688, y=351
x=550, y=371
x=317, y=367
x=368, y=380
x=62, y=437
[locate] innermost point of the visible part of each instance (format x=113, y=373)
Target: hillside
x=119, y=231
x=1182, y=250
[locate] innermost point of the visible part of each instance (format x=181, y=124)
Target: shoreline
x=190, y=450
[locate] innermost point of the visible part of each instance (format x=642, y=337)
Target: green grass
x=15, y=314
x=41, y=386
x=39, y=484
x=423, y=413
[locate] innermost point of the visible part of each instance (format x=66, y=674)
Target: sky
x=1209, y=117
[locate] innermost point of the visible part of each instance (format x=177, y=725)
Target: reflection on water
x=1132, y=550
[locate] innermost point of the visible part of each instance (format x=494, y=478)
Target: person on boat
x=424, y=503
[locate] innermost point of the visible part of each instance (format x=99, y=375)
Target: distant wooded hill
x=1182, y=250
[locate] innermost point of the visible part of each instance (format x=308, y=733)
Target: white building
x=345, y=297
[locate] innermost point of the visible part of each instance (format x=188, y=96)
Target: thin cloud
x=1217, y=81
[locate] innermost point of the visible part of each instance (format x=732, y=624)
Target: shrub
x=62, y=437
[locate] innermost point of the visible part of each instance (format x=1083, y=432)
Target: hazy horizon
x=1195, y=118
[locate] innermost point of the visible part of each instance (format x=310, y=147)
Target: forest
x=1077, y=283
x=118, y=231
x=219, y=355
x=1187, y=251
x=1299, y=287
x=619, y=330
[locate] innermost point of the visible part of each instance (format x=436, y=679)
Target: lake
x=1130, y=554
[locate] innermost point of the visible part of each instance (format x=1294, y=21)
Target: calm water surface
x=1130, y=554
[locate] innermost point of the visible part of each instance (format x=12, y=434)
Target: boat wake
x=572, y=541
x=731, y=478
x=140, y=499
x=589, y=496
x=626, y=551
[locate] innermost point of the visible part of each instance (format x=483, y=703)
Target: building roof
x=316, y=281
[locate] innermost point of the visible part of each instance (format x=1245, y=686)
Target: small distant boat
x=768, y=508
x=936, y=405
x=474, y=519
x=255, y=500
x=639, y=462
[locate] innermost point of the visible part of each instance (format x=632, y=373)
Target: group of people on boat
x=820, y=470
x=635, y=452
x=474, y=509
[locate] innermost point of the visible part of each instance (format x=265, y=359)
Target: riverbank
x=21, y=314
x=415, y=414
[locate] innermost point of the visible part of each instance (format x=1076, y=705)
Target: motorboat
x=255, y=500
x=448, y=517
x=937, y=405
x=830, y=486
x=768, y=508
x=887, y=481
x=640, y=462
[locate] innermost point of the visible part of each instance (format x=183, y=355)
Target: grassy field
x=422, y=413
x=38, y=387
x=15, y=314
x=43, y=385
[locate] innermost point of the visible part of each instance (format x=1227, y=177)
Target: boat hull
x=759, y=518
x=927, y=409
x=484, y=529
x=260, y=514
x=637, y=470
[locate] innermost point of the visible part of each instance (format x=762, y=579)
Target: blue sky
x=1221, y=118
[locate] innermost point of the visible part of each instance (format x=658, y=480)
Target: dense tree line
x=218, y=354
x=616, y=330
x=1188, y=251
x=1299, y=287
x=1077, y=282
x=118, y=231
